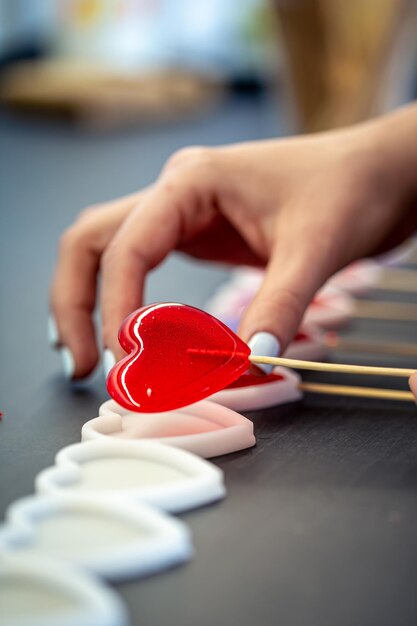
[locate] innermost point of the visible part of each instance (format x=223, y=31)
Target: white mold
x=45, y=592
x=204, y=428
x=171, y=479
x=308, y=345
x=359, y=277
x=330, y=309
x=262, y=395
x=113, y=540
x=232, y=297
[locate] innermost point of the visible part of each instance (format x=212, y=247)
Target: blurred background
x=112, y=63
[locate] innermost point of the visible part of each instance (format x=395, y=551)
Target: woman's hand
x=413, y=385
x=302, y=207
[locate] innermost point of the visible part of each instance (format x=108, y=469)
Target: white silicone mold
x=310, y=347
x=171, y=479
x=204, y=428
x=332, y=308
x=233, y=296
x=45, y=592
x=261, y=396
x=358, y=277
x=113, y=540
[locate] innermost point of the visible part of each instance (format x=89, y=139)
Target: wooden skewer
x=358, y=392
x=341, y=368
x=398, y=280
x=333, y=367
x=401, y=311
x=332, y=340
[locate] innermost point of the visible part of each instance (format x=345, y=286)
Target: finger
x=221, y=242
x=73, y=292
x=146, y=237
x=413, y=384
x=293, y=275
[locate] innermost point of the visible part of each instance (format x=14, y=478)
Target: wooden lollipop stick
x=341, y=368
x=397, y=280
x=333, y=367
x=400, y=311
x=332, y=340
x=358, y=392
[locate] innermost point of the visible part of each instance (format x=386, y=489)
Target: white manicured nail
x=68, y=363
x=264, y=344
x=109, y=360
x=53, y=337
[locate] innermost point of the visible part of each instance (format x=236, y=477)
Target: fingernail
x=109, y=360
x=68, y=363
x=52, y=330
x=264, y=344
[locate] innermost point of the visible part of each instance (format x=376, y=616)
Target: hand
x=302, y=207
x=413, y=384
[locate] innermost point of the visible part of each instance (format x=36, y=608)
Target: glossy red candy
x=177, y=355
x=249, y=380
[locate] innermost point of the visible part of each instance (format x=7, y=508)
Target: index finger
x=148, y=235
x=73, y=292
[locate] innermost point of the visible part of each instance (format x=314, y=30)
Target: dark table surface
x=319, y=526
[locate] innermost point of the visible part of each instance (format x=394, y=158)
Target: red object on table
x=249, y=380
x=177, y=355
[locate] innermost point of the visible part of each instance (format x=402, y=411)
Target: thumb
x=413, y=384
x=275, y=314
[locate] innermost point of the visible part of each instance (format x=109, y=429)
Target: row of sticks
x=397, y=280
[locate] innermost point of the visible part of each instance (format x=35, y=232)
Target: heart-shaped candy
x=177, y=355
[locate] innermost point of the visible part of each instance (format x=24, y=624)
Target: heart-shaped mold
x=116, y=542
x=46, y=592
x=234, y=296
x=166, y=477
x=331, y=308
x=358, y=278
x=250, y=393
x=307, y=345
x=177, y=355
x=204, y=428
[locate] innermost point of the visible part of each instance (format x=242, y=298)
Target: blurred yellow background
x=115, y=62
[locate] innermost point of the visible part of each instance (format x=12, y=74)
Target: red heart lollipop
x=249, y=380
x=177, y=355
